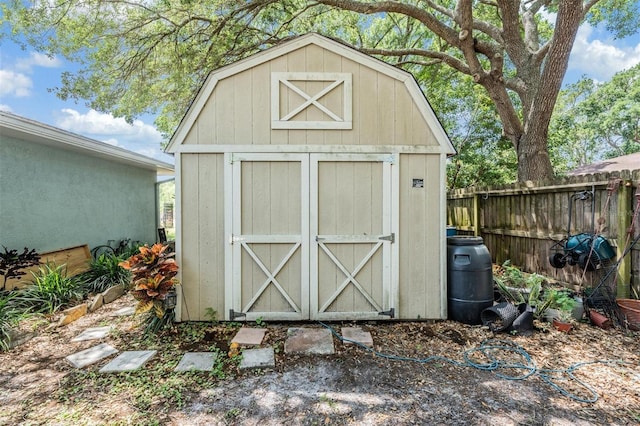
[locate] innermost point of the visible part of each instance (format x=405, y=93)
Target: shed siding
x=238, y=111
x=420, y=237
x=202, y=227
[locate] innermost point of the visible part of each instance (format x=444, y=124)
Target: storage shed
x=310, y=184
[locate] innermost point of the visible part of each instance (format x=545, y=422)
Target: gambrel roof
x=420, y=107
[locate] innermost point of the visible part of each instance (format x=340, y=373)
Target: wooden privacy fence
x=521, y=222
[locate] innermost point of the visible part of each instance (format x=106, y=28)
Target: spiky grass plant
x=9, y=317
x=51, y=290
x=105, y=272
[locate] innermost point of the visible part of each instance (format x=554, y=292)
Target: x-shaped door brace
x=271, y=277
x=311, y=100
x=351, y=276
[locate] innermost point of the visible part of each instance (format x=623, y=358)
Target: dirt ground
x=354, y=386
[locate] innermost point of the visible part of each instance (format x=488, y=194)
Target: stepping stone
x=197, y=361
x=316, y=341
x=92, y=334
x=129, y=310
x=128, y=361
x=92, y=355
x=353, y=335
x=248, y=336
x=258, y=358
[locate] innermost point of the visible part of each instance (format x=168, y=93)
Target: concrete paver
x=92, y=334
x=356, y=334
x=129, y=310
x=258, y=358
x=128, y=361
x=317, y=341
x=197, y=361
x=248, y=336
x=92, y=355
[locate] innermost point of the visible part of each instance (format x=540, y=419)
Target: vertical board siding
x=202, y=268
x=419, y=239
x=521, y=222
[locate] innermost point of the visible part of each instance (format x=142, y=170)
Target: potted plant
x=563, y=321
x=153, y=272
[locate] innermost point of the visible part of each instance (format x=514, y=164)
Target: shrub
x=52, y=289
x=105, y=272
x=154, y=271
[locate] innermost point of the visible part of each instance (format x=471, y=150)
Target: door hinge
x=390, y=313
x=391, y=237
x=233, y=314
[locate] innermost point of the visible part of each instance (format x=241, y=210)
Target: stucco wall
x=51, y=198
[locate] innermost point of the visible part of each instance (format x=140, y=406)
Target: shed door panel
x=351, y=236
x=311, y=236
x=269, y=249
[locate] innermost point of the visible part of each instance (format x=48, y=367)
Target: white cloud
x=138, y=136
x=36, y=59
x=5, y=108
x=600, y=59
x=14, y=83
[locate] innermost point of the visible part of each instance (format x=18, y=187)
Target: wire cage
x=602, y=296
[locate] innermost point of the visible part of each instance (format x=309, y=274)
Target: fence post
x=476, y=214
x=624, y=222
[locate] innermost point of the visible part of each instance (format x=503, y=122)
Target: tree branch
x=441, y=57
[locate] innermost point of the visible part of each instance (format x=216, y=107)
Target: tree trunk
x=533, y=157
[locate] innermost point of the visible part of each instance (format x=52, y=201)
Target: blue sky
x=26, y=78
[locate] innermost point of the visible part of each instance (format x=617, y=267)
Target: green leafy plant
x=12, y=263
x=512, y=276
x=9, y=317
x=51, y=290
x=212, y=315
x=561, y=300
x=153, y=270
x=105, y=272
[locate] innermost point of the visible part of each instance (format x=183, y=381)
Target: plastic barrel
x=469, y=279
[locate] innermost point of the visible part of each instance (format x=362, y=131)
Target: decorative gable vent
x=295, y=96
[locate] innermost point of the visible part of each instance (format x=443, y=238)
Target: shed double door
x=311, y=236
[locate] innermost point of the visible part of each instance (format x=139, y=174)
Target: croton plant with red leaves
x=153, y=270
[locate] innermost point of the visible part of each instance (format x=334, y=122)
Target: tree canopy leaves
x=153, y=55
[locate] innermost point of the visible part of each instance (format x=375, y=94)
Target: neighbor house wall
x=52, y=198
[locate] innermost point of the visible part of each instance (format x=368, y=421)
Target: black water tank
x=469, y=278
